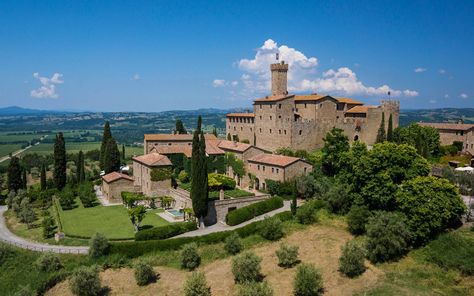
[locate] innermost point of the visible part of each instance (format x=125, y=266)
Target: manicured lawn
x=111, y=221
x=236, y=193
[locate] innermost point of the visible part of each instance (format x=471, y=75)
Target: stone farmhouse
x=301, y=121
x=451, y=132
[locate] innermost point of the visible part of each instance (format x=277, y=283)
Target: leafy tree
x=27, y=213
x=335, y=145
x=106, y=136
x=425, y=139
x=43, y=177
x=338, y=198
x=111, y=157
x=390, y=128
x=190, y=258
x=431, y=206
x=199, y=182
x=271, y=228
x=381, y=136
x=233, y=244
x=136, y=215
x=254, y=289
x=14, y=180
x=287, y=255
x=59, y=173
x=24, y=180
x=305, y=186
x=246, y=268
x=49, y=262
x=388, y=237
x=85, y=281
x=308, y=281
x=357, y=219
x=379, y=172
x=351, y=262
x=196, y=285
x=144, y=273
x=237, y=165
x=179, y=129
x=48, y=226
x=98, y=246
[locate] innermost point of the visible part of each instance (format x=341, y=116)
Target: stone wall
x=113, y=191
x=142, y=179
x=217, y=210
x=447, y=137
x=242, y=126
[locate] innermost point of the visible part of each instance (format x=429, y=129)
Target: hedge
x=166, y=231
x=246, y=213
x=138, y=248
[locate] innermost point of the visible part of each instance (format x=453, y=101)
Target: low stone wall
x=218, y=209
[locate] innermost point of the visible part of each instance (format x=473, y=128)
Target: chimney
x=279, y=78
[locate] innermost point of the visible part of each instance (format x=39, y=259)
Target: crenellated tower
x=279, y=78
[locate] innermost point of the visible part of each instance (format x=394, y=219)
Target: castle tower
x=279, y=78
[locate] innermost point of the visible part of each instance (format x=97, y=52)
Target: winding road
x=8, y=237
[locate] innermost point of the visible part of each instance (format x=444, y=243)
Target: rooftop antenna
x=389, y=95
x=277, y=56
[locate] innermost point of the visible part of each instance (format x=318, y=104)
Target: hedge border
x=251, y=211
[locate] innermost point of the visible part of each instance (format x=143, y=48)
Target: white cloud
x=420, y=70
x=446, y=96
x=303, y=75
x=463, y=96
x=442, y=71
x=48, y=86
x=432, y=101
x=136, y=77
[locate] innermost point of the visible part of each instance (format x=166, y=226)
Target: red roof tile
x=274, y=159
x=173, y=149
x=349, y=101
x=360, y=109
x=233, y=146
x=153, y=159
x=240, y=115
x=114, y=176
x=274, y=98
x=448, y=126
x=175, y=137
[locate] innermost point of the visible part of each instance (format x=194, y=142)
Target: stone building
x=452, y=132
x=143, y=166
x=114, y=183
x=302, y=121
x=277, y=168
x=154, y=140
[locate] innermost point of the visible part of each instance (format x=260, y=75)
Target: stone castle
x=302, y=121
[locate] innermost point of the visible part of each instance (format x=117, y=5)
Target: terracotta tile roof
x=212, y=147
x=448, y=126
x=153, y=159
x=173, y=149
x=274, y=159
x=233, y=146
x=273, y=98
x=175, y=137
x=349, y=101
x=114, y=176
x=360, y=109
x=312, y=97
x=240, y=115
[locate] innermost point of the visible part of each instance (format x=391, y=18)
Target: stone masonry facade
x=302, y=121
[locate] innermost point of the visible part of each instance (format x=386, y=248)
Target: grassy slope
x=112, y=221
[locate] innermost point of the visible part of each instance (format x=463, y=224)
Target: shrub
x=5, y=252
x=49, y=262
x=98, y=246
x=287, y=255
x=351, y=262
x=160, y=174
x=85, y=281
x=144, y=273
x=233, y=244
x=183, y=177
x=246, y=213
x=246, y=268
x=305, y=214
x=271, y=228
x=308, y=281
x=388, y=237
x=190, y=258
x=357, y=219
x=254, y=289
x=196, y=285
x=219, y=181
x=166, y=231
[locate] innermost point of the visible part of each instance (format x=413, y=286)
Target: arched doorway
x=356, y=137
x=257, y=184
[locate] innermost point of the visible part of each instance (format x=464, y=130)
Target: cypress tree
x=179, y=128
x=214, y=132
x=59, y=173
x=43, y=177
x=381, y=132
x=80, y=173
x=105, y=138
x=14, y=180
x=199, y=190
x=111, y=157
x=390, y=129
x=123, y=153
x=24, y=180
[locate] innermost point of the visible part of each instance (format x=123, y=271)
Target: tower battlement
x=279, y=78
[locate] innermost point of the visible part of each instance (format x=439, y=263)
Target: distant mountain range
x=15, y=110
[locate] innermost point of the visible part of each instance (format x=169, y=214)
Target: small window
x=263, y=168
x=169, y=144
x=241, y=128
x=271, y=117
x=260, y=130
x=260, y=117
x=279, y=116
x=279, y=131
x=320, y=105
x=305, y=170
x=260, y=106
x=271, y=106
x=250, y=129
x=234, y=128
x=273, y=170
x=270, y=131
x=300, y=132
x=258, y=167
x=305, y=105
x=279, y=106
x=284, y=131
x=278, y=170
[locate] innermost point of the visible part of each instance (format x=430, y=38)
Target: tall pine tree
x=43, y=177
x=111, y=157
x=381, y=132
x=199, y=186
x=390, y=129
x=59, y=173
x=179, y=129
x=24, y=180
x=123, y=153
x=105, y=139
x=14, y=180
x=80, y=172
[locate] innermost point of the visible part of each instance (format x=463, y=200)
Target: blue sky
x=157, y=55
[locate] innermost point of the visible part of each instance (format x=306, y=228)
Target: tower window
x=279, y=106
x=279, y=131
x=270, y=131
x=260, y=130
x=300, y=132
x=270, y=117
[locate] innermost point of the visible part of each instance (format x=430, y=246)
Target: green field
x=75, y=147
x=112, y=221
x=5, y=149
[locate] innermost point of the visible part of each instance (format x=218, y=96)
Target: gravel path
x=8, y=237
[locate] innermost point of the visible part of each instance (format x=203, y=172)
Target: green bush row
x=246, y=213
x=166, y=231
x=138, y=248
